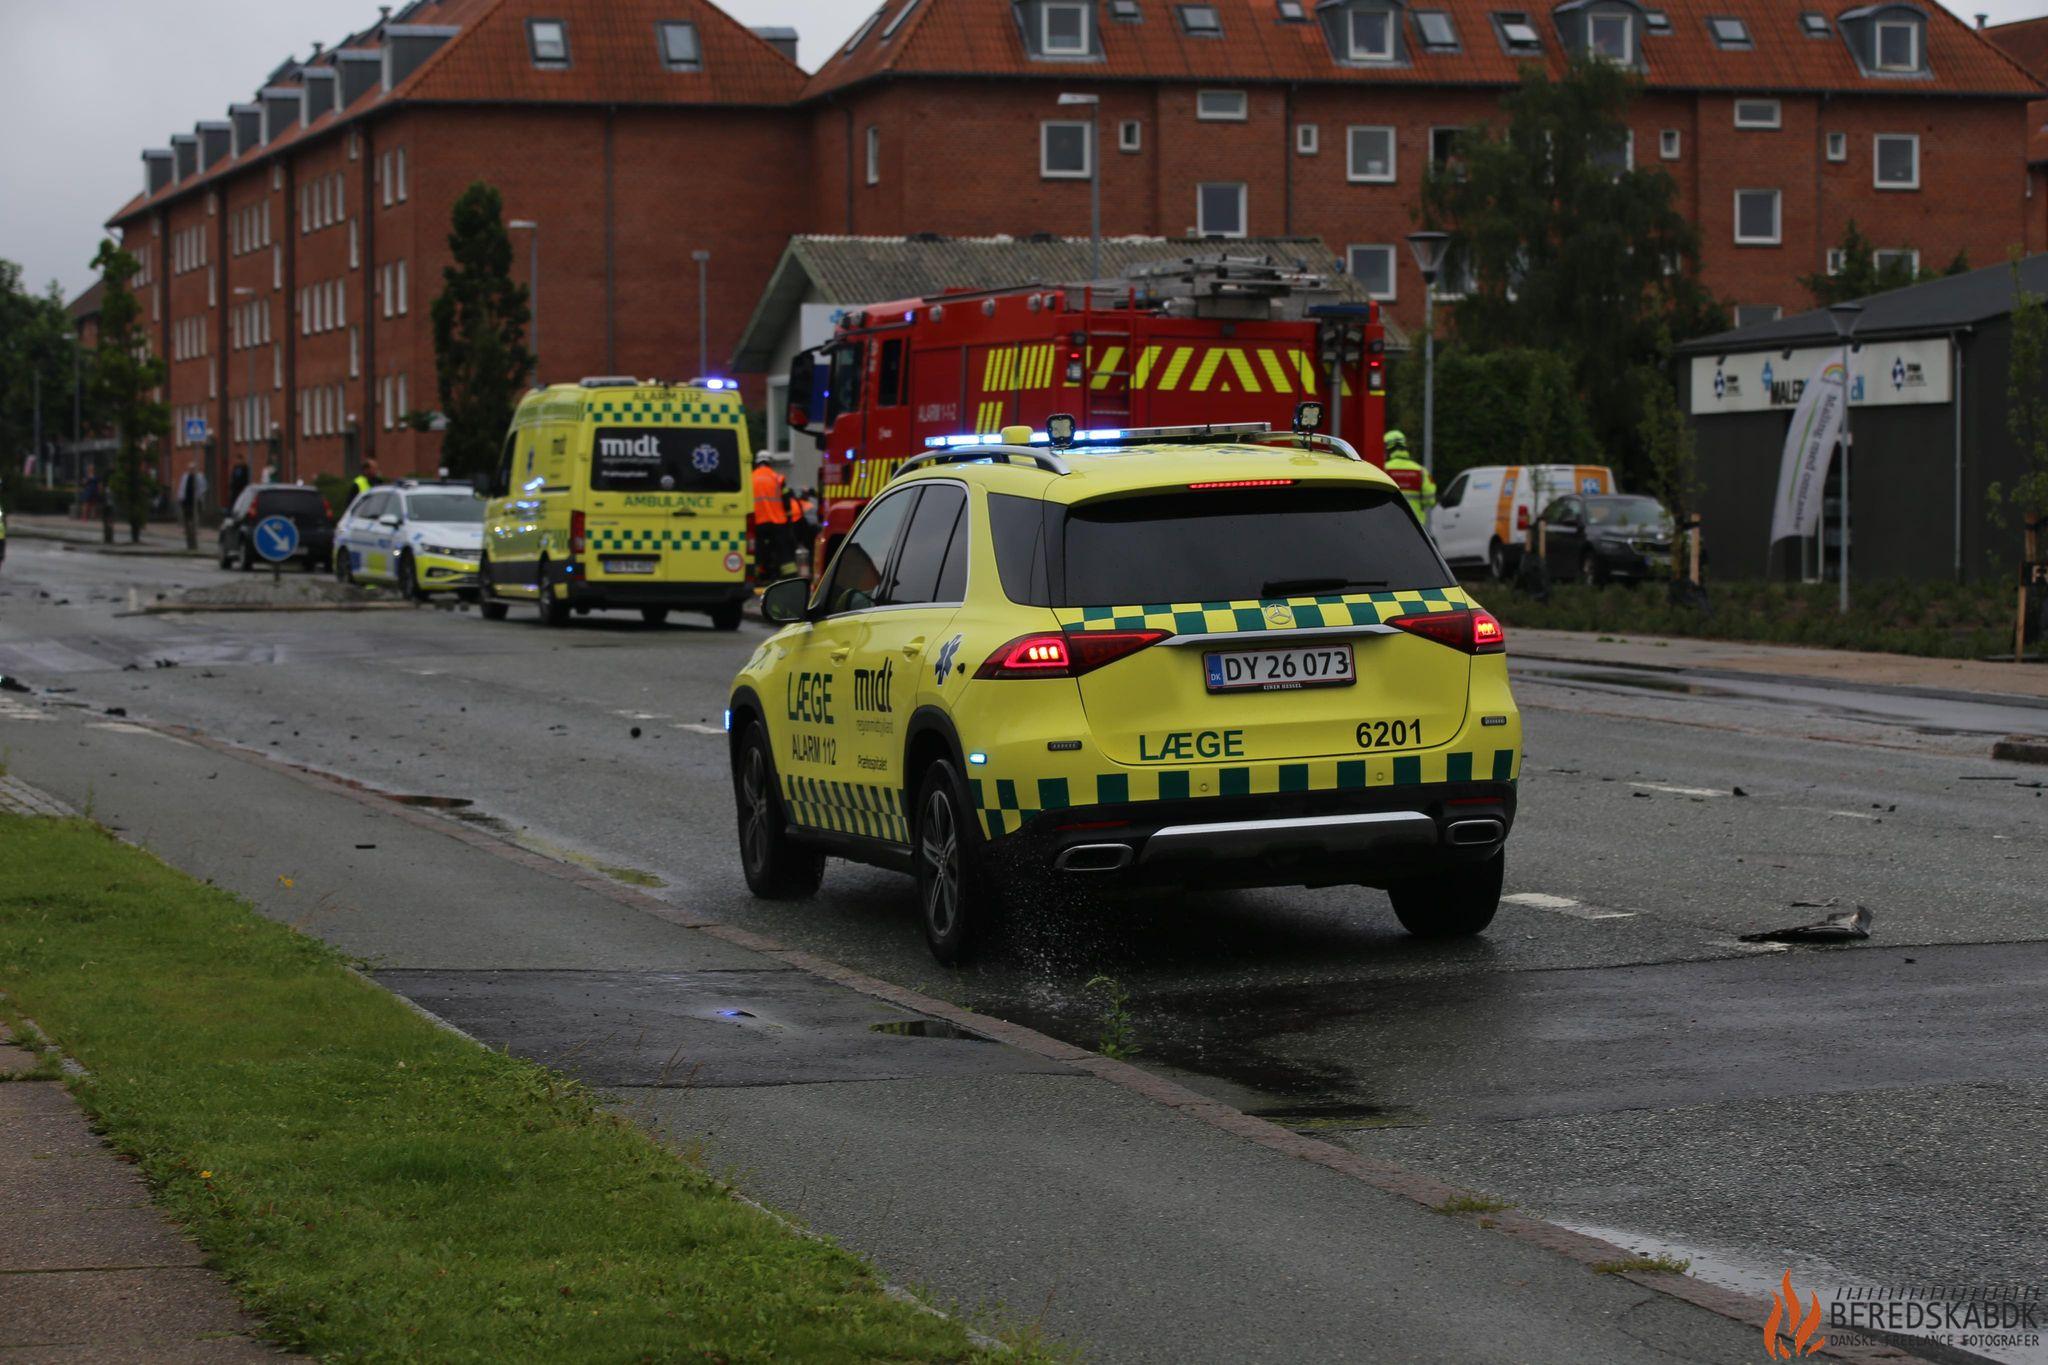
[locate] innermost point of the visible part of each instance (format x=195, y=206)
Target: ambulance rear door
x=667, y=491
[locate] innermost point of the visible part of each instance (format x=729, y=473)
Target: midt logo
x=873, y=687
x=647, y=447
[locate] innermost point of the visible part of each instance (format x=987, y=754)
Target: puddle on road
x=926, y=1028
x=1644, y=682
x=434, y=802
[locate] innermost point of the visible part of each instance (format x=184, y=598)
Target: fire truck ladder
x=1109, y=332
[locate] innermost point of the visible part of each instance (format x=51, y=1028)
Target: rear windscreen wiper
x=1282, y=587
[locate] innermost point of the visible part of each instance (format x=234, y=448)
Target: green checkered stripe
x=1305, y=613
x=666, y=538
x=1006, y=805
x=846, y=807
x=670, y=412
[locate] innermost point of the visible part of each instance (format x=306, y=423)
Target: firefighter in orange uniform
x=773, y=546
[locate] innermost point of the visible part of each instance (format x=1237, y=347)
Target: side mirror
x=786, y=601
x=388, y=519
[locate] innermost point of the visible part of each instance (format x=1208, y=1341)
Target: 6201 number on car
x=1390, y=734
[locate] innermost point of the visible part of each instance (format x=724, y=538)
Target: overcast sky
x=85, y=85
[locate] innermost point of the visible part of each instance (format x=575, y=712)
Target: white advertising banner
x=1809, y=448
x=1881, y=374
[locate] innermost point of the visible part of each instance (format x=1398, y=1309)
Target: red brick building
x=292, y=251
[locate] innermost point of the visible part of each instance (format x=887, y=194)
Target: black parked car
x=1608, y=536
x=306, y=510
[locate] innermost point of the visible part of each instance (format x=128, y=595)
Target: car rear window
x=1229, y=546
x=290, y=502
x=665, y=460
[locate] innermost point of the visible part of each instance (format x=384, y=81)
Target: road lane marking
x=1563, y=905
x=1678, y=791
x=1853, y=815
x=122, y=728
x=696, y=729
x=14, y=710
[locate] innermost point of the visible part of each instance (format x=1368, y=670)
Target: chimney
x=361, y=69
x=282, y=106
x=184, y=155
x=1981, y=18
x=318, y=48
x=783, y=40
x=216, y=142
x=320, y=83
x=248, y=122
x=156, y=170
x=407, y=47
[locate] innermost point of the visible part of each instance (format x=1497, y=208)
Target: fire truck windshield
x=844, y=395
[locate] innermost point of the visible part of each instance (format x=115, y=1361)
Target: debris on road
x=10, y=683
x=2022, y=749
x=1844, y=927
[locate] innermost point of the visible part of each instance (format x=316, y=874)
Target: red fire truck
x=1206, y=339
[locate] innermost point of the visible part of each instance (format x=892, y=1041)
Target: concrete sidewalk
x=2007, y=682
x=163, y=539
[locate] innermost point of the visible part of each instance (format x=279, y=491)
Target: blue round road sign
x=277, y=539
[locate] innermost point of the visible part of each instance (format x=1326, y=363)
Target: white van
x=1482, y=516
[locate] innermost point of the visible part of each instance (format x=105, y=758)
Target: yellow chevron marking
x=1276, y=373
x=1145, y=363
x=1103, y=370
x=1246, y=380
x=1308, y=372
x=1206, y=371
x=1048, y=356
x=988, y=370
x=1170, y=380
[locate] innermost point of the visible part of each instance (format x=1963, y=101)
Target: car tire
x=958, y=902
x=1498, y=563
x=1590, y=572
x=227, y=557
x=726, y=617
x=1457, y=902
x=777, y=868
x=554, y=611
x=243, y=558
x=487, y=606
x=344, y=567
x=409, y=581
x=654, y=616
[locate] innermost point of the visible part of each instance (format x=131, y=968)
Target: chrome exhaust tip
x=1094, y=858
x=1474, y=833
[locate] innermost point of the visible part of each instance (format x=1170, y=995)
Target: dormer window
x=1063, y=29
x=1371, y=35
x=1613, y=36
x=1200, y=21
x=679, y=49
x=1898, y=45
x=548, y=41
x=1731, y=34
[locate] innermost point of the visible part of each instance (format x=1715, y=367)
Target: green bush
x=34, y=500
x=338, y=492
x=1933, y=620
x=1502, y=407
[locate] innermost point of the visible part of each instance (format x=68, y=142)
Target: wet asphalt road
x=1609, y=1056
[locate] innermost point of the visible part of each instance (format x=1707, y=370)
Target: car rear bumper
x=681, y=596
x=1375, y=838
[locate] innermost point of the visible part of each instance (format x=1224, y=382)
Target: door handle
x=839, y=656
x=914, y=648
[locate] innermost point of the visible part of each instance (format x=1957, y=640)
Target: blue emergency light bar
x=715, y=384
x=1037, y=438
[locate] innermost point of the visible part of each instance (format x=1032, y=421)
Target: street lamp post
x=1429, y=250
x=1093, y=104
x=532, y=286
x=1845, y=316
x=703, y=260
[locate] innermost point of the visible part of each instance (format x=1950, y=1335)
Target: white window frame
x=1777, y=311
x=1351, y=170
x=1045, y=13
x=1628, y=34
x=1452, y=128
x=1045, y=166
x=1877, y=32
x=1777, y=236
x=1670, y=144
x=1204, y=114
x=1836, y=259
x=1911, y=253
x=1243, y=208
x=1743, y=41
x=1877, y=180
x=1776, y=120
x=561, y=33
x=404, y=290
x=1308, y=139
x=695, y=61
x=1130, y=137
x=1182, y=15
x=404, y=185
x=1393, y=267
x=874, y=154
x=1366, y=54
x=1838, y=147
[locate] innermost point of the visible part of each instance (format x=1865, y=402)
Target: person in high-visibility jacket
x=773, y=547
x=1410, y=477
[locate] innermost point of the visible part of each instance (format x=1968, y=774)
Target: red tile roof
x=982, y=38
x=2026, y=42
x=614, y=59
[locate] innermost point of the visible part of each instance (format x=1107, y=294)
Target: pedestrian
x=238, y=479
x=1411, y=478
x=368, y=478
x=191, y=500
x=89, y=497
x=773, y=546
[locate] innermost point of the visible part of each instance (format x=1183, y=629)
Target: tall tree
x=2026, y=411
x=1559, y=244
x=35, y=353
x=1861, y=274
x=125, y=376
x=480, y=321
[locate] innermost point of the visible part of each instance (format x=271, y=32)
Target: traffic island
x=275, y=592
x=372, y=1185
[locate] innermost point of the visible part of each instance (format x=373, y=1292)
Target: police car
x=1222, y=656
x=421, y=538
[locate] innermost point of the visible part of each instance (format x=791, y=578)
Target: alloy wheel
x=939, y=847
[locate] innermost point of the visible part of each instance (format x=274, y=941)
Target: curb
x=1798, y=680
x=1424, y=1190
x=2022, y=749
x=203, y=609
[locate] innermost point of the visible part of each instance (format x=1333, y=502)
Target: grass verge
x=376, y=1188
x=1933, y=620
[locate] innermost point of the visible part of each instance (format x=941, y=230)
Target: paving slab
x=206, y=1350
x=72, y=1238
x=14, y=1060
x=129, y=1309
x=34, y=1100
x=36, y=1177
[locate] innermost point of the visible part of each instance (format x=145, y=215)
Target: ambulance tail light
x=1468, y=632
x=1066, y=654
x=1521, y=518
x=576, y=537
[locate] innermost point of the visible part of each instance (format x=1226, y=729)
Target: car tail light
x=1521, y=518
x=576, y=540
x=1470, y=632
x=1376, y=377
x=1240, y=483
x=1066, y=655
